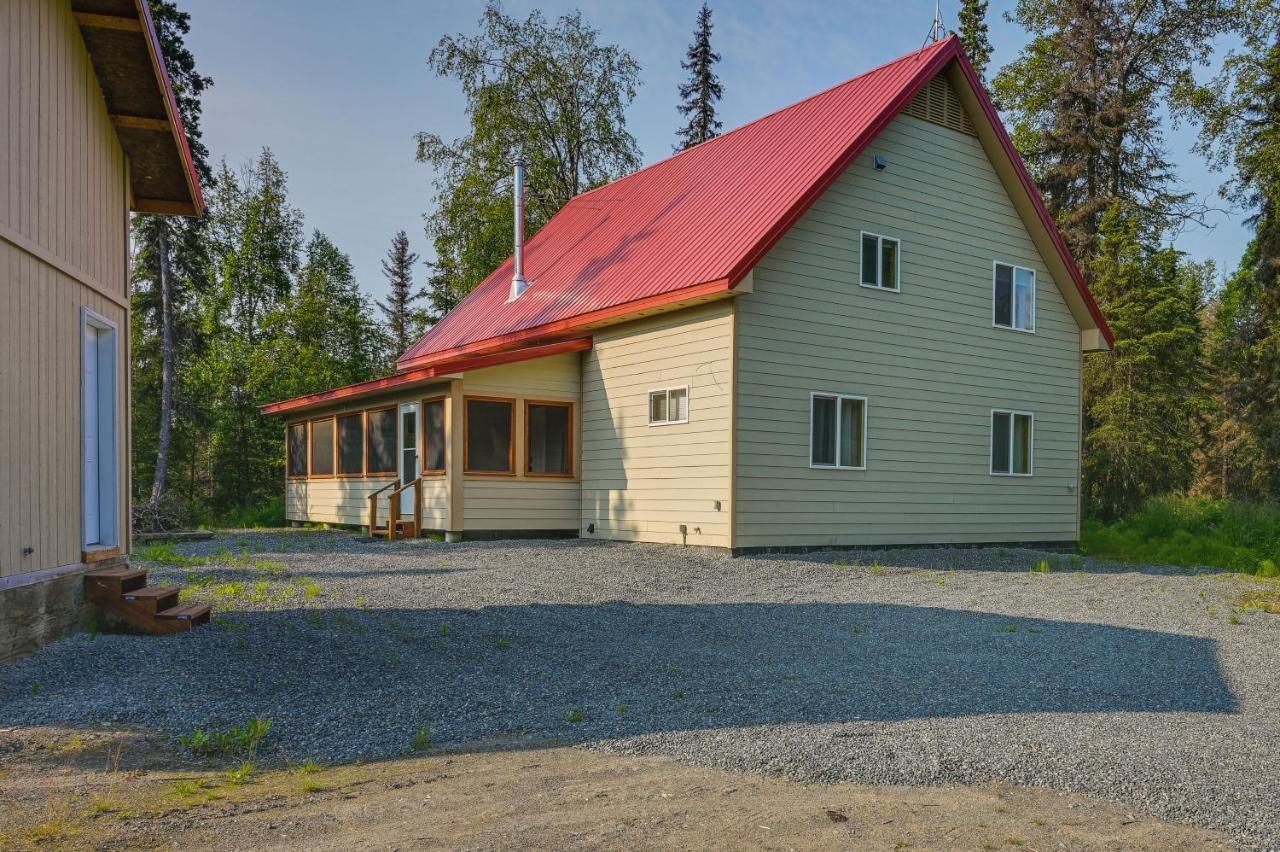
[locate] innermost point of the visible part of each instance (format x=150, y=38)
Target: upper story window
x=669, y=405
x=1015, y=297
x=838, y=431
x=880, y=262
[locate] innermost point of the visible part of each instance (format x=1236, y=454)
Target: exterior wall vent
x=939, y=103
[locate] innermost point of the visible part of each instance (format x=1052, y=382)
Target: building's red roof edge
x=572, y=325
x=171, y=105
x=408, y=377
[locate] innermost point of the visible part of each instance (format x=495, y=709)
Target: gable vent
x=939, y=103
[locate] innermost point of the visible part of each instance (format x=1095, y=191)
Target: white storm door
x=410, y=468
x=92, y=449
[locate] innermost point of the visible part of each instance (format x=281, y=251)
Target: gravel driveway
x=1150, y=687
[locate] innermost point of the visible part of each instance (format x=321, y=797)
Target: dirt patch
x=108, y=789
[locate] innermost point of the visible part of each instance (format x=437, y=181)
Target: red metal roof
x=696, y=221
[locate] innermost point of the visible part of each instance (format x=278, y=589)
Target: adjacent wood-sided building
x=850, y=322
x=88, y=131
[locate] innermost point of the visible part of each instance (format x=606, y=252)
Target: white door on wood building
x=100, y=431
x=409, y=464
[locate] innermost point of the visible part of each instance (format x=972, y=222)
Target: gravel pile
x=1148, y=686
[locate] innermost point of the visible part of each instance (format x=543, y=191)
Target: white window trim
x=991, y=443
x=897, y=269
x=838, y=397
x=109, y=427
x=648, y=402
x=1013, y=284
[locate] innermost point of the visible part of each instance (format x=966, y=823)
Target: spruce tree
x=1086, y=96
x=1241, y=133
x=1143, y=398
x=401, y=320
x=700, y=94
x=973, y=35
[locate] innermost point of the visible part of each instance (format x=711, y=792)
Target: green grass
x=1193, y=532
x=240, y=741
x=421, y=740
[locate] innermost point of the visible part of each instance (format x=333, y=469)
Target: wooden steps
x=405, y=528
x=123, y=592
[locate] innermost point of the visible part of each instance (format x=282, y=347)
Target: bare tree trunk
x=168, y=375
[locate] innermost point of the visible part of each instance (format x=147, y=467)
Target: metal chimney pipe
x=518, y=282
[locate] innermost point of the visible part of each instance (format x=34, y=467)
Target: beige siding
x=63, y=245
x=927, y=358
x=62, y=172
x=522, y=502
x=643, y=482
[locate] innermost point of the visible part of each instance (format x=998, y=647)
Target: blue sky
x=338, y=96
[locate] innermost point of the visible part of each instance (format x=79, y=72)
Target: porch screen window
x=322, y=447
x=489, y=435
x=382, y=441
x=298, y=449
x=1015, y=297
x=433, y=433
x=839, y=431
x=549, y=441
x=351, y=445
x=1011, y=436
x=879, y=262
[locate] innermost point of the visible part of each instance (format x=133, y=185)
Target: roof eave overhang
x=121, y=39
x=423, y=375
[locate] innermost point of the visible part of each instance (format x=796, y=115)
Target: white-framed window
x=837, y=431
x=669, y=405
x=1014, y=297
x=881, y=262
x=1012, y=442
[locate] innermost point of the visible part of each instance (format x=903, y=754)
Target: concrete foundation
x=38, y=612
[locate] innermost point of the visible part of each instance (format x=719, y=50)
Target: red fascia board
x=570, y=325
x=1037, y=202
x=460, y=365
x=171, y=105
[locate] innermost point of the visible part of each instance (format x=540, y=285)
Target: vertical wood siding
x=927, y=358
x=642, y=482
x=62, y=194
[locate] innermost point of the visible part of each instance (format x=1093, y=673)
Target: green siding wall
x=927, y=358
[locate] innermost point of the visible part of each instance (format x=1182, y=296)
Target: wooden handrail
x=394, y=507
x=373, y=505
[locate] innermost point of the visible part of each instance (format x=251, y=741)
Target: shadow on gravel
x=345, y=683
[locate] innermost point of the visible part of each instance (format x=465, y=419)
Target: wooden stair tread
x=185, y=612
x=124, y=573
x=151, y=592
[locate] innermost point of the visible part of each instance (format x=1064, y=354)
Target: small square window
x=1011, y=438
x=880, y=262
x=669, y=405
x=838, y=431
x=1014, y=297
